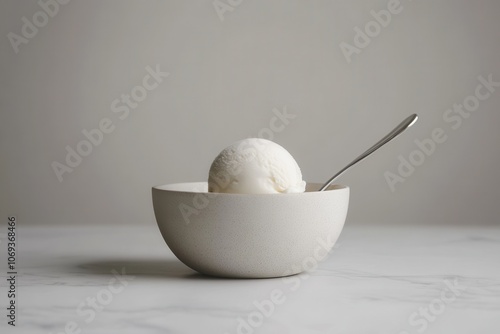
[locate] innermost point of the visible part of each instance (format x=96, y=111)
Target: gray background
x=225, y=79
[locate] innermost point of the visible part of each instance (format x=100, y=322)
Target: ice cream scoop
x=255, y=166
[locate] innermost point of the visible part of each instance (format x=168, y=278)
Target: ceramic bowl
x=249, y=236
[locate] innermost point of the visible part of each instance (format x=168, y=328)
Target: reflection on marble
x=377, y=280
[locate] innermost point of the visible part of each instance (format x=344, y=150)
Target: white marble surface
x=373, y=282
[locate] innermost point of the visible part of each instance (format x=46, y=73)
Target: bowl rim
x=173, y=188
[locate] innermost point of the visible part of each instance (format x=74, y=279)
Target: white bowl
x=249, y=236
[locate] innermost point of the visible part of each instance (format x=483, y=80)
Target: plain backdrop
x=226, y=76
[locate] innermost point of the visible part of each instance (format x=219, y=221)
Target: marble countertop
x=378, y=279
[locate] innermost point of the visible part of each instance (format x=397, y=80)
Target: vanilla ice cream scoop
x=255, y=166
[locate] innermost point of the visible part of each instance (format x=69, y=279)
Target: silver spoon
x=409, y=121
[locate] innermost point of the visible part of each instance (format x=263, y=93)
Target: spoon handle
x=409, y=121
